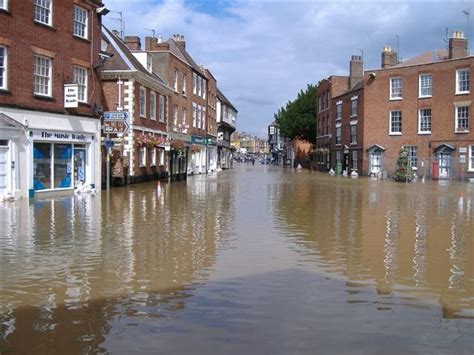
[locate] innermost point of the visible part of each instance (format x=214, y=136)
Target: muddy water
x=258, y=260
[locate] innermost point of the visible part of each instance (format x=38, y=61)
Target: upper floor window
x=175, y=117
x=4, y=4
x=339, y=110
x=354, y=107
x=184, y=117
x=471, y=158
x=462, y=81
x=194, y=83
x=175, y=80
x=462, y=119
x=424, y=121
x=395, y=122
x=142, y=102
x=425, y=85
x=199, y=115
x=184, y=84
x=203, y=118
x=161, y=108
x=153, y=106
x=354, y=134
x=338, y=135
x=194, y=114
x=80, y=22
x=396, y=88
x=80, y=78
x=204, y=88
x=43, y=11
x=3, y=67
x=42, y=75
x=199, y=88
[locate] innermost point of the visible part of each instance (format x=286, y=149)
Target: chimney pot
x=389, y=57
x=457, y=45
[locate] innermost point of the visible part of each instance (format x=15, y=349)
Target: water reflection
x=70, y=265
x=412, y=240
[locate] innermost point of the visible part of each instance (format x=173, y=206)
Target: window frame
x=175, y=117
x=456, y=119
x=420, y=131
x=5, y=5
x=175, y=79
x=194, y=115
x=392, y=93
x=391, y=131
x=354, y=104
x=355, y=158
x=471, y=158
x=184, y=84
x=353, y=134
x=153, y=157
x=142, y=102
x=38, y=6
x=142, y=156
x=85, y=24
x=4, y=68
x=161, y=108
x=49, y=77
x=338, y=110
x=81, y=87
x=421, y=87
x=412, y=158
x=339, y=135
x=459, y=92
x=153, y=105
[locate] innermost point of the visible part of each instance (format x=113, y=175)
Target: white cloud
x=263, y=52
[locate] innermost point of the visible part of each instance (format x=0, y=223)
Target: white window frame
x=161, y=156
x=153, y=157
x=353, y=136
x=390, y=117
x=184, y=116
x=161, y=108
x=38, y=75
x=456, y=120
x=412, y=158
x=142, y=157
x=175, y=80
x=203, y=118
x=422, y=85
x=199, y=86
x=142, y=102
x=338, y=110
x=80, y=22
x=420, y=121
x=4, y=5
x=4, y=68
x=194, y=114
x=194, y=83
x=398, y=94
x=458, y=91
x=153, y=106
x=175, y=116
x=354, y=103
x=204, y=88
x=43, y=8
x=338, y=135
x=184, y=84
x=471, y=158
x=81, y=76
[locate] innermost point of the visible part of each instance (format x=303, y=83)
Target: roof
x=224, y=99
x=437, y=55
x=357, y=86
x=123, y=58
x=181, y=52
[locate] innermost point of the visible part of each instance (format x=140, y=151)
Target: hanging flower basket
x=178, y=146
x=195, y=148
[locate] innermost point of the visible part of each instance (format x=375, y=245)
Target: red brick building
x=130, y=84
x=425, y=105
x=49, y=143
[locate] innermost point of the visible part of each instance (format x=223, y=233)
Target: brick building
x=226, y=115
x=47, y=143
x=424, y=104
x=130, y=83
x=211, y=127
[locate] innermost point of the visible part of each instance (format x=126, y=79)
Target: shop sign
x=198, y=140
x=71, y=95
x=57, y=136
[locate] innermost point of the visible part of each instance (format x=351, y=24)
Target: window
x=424, y=121
x=354, y=134
x=395, y=122
x=338, y=135
x=412, y=155
x=194, y=84
x=203, y=126
x=80, y=22
x=162, y=156
x=175, y=80
x=153, y=106
x=199, y=86
x=198, y=116
x=142, y=102
x=184, y=116
x=52, y=166
x=339, y=110
x=396, y=88
x=354, y=107
x=175, y=117
x=142, y=156
x=204, y=88
x=43, y=9
x=4, y=4
x=161, y=108
x=3, y=67
x=425, y=84
x=471, y=158
x=80, y=78
x=462, y=81
x=462, y=119
x=194, y=114
x=184, y=84
x=42, y=76
x=338, y=156
x=319, y=104
x=153, y=157
x=354, y=159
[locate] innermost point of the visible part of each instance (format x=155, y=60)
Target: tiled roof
x=186, y=55
x=224, y=99
x=425, y=58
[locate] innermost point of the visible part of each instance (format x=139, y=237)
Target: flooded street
x=254, y=260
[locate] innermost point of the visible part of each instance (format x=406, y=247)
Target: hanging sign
x=71, y=95
x=116, y=122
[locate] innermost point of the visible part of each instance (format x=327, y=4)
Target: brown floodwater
x=255, y=260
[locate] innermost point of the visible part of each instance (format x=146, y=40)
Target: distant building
x=226, y=125
x=275, y=143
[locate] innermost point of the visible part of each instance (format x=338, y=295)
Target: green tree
x=403, y=173
x=298, y=118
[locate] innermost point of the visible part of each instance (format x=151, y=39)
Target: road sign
x=109, y=144
x=116, y=122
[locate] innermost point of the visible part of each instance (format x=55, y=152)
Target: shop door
x=3, y=169
x=79, y=166
x=444, y=162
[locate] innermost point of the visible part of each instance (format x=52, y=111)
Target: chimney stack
x=133, y=43
x=179, y=39
x=150, y=43
x=389, y=57
x=356, y=70
x=457, y=45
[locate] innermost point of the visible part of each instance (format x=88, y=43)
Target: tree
x=298, y=118
x=403, y=173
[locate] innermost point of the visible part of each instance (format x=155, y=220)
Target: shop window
x=42, y=166
x=53, y=166
x=62, y=165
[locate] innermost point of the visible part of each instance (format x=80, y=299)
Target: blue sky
x=263, y=52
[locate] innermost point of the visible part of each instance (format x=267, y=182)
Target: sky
x=263, y=52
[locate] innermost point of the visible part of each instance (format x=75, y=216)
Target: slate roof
x=224, y=99
x=435, y=56
x=181, y=53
